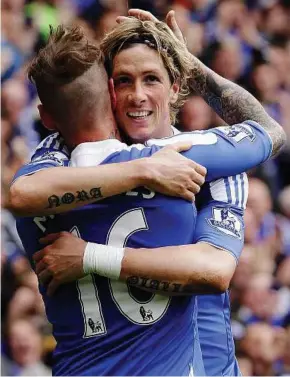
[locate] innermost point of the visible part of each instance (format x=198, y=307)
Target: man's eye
x=152, y=78
x=121, y=80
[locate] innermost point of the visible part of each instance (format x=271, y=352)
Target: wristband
x=103, y=260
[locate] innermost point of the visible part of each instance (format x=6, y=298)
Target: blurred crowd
x=245, y=41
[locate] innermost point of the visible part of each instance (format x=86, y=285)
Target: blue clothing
x=104, y=322
x=214, y=312
x=237, y=149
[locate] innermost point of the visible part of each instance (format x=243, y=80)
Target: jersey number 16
x=136, y=311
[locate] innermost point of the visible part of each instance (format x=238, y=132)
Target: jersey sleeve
x=47, y=160
x=51, y=152
x=225, y=151
x=220, y=220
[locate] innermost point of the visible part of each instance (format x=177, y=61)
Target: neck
x=91, y=131
x=166, y=130
x=163, y=131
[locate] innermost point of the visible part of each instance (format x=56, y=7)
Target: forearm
x=171, y=270
x=186, y=269
x=233, y=103
x=61, y=189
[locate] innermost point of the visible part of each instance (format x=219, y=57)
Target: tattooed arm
x=172, y=270
x=179, y=270
x=60, y=189
x=233, y=103
x=169, y=288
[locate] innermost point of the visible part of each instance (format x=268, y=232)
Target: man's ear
x=112, y=93
x=46, y=119
x=174, y=92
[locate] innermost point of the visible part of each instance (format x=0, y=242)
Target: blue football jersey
x=237, y=149
x=218, y=201
x=104, y=327
x=92, y=329
x=220, y=222
x=228, y=196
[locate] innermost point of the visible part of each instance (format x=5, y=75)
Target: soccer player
x=233, y=104
x=147, y=314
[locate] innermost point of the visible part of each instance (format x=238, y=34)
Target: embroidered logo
x=227, y=222
x=56, y=157
x=239, y=132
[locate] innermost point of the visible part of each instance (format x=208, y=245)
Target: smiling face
x=143, y=93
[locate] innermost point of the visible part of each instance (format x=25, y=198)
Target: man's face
x=143, y=93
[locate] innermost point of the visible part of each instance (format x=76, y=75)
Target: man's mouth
x=139, y=114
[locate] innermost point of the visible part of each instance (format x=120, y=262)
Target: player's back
x=103, y=327
x=221, y=144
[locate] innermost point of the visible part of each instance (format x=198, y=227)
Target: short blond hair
x=156, y=35
x=59, y=73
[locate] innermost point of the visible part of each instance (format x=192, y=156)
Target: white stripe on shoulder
x=51, y=140
x=48, y=139
x=196, y=137
x=218, y=190
x=239, y=184
x=57, y=143
x=245, y=189
x=233, y=185
x=231, y=190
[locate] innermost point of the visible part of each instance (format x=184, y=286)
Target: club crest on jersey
x=146, y=315
x=225, y=221
x=239, y=132
x=56, y=157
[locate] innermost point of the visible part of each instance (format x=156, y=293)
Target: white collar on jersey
x=93, y=153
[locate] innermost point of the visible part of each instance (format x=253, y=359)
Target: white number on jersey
x=94, y=323
x=141, y=313
x=136, y=311
x=40, y=220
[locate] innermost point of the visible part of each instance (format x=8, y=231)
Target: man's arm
x=173, y=270
x=235, y=149
x=45, y=191
x=233, y=103
x=39, y=190
x=206, y=267
x=185, y=269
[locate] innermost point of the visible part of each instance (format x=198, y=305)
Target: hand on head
x=147, y=16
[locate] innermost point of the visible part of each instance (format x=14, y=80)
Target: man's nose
x=137, y=96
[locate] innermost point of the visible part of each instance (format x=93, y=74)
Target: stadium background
x=245, y=41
